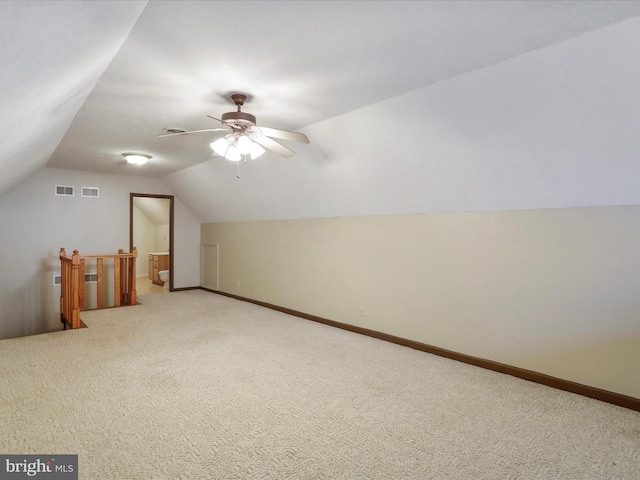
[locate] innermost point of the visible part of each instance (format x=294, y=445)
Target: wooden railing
x=72, y=291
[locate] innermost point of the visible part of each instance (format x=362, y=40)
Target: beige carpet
x=194, y=385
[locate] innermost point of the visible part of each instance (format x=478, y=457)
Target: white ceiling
x=83, y=82
x=52, y=56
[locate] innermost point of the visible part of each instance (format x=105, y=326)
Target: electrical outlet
x=361, y=313
x=238, y=283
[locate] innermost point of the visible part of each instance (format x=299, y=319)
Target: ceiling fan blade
x=231, y=126
x=194, y=131
x=283, y=134
x=272, y=145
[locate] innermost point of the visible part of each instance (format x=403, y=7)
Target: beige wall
x=556, y=291
x=162, y=238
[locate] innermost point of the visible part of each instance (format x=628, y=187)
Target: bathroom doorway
x=151, y=232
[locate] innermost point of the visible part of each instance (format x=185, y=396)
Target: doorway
x=151, y=231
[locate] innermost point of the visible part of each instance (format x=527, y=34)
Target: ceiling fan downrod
x=238, y=120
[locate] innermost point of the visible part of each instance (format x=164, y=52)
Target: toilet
x=164, y=276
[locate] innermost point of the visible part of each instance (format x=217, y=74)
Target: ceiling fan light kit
x=245, y=139
x=233, y=146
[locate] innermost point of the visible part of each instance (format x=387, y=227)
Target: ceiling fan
x=245, y=137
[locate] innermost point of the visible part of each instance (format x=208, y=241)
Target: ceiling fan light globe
x=233, y=154
x=244, y=145
x=256, y=151
x=220, y=146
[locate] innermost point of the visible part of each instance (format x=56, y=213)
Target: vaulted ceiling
x=417, y=106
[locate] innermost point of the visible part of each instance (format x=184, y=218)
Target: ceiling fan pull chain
x=238, y=169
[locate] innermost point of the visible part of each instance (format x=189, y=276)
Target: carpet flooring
x=194, y=385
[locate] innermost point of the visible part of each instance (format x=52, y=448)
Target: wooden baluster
x=123, y=278
x=116, y=281
x=133, y=294
x=68, y=292
x=81, y=285
x=62, y=256
x=100, y=284
x=126, y=295
x=66, y=276
x=66, y=279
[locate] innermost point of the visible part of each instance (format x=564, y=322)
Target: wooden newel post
x=75, y=290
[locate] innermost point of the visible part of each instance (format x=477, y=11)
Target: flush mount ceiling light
x=136, y=158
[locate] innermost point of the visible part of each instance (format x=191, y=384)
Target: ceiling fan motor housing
x=238, y=119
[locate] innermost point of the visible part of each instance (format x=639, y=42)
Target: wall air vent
x=90, y=278
x=64, y=191
x=90, y=192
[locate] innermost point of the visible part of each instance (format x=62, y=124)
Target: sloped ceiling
x=410, y=106
x=155, y=209
x=553, y=128
x=52, y=55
